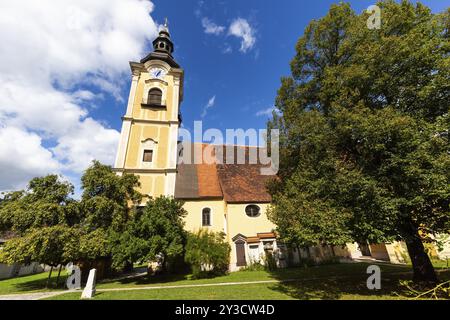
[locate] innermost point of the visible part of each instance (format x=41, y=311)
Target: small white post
x=89, y=290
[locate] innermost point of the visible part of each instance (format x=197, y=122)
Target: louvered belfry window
x=154, y=97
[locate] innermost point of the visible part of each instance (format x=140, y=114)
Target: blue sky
x=65, y=78
x=243, y=83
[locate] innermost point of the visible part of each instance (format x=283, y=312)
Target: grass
x=342, y=270
x=341, y=281
x=338, y=281
x=31, y=283
x=441, y=264
x=331, y=283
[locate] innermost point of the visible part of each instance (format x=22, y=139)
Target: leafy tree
x=46, y=202
x=55, y=229
x=207, y=253
x=157, y=229
x=364, y=132
x=107, y=198
x=53, y=246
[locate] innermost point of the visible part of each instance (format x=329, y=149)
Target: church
x=229, y=198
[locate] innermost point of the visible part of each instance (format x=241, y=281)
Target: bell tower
x=148, y=141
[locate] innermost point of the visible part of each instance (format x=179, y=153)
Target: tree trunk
x=332, y=251
x=49, y=276
x=308, y=253
x=298, y=254
x=422, y=266
x=59, y=273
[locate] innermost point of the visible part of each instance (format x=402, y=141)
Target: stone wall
x=16, y=270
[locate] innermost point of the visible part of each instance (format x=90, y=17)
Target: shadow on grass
x=334, y=289
x=341, y=281
x=148, y=279
x=40, y=284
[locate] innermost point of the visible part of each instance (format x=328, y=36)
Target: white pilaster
x=173, y=146
x=132, y=96
x=175, y=98
x=126, y=124
x=123, y=143
x=170, y=184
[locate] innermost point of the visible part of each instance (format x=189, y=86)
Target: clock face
x=157, y=73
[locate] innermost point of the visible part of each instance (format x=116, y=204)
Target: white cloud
x=53, y=50
x=22, y=157
x=241, y=28
x=212, y=28
x=89, y=140
x=267, y=112
x=86, y=95
x=210, y=104
x=227, y=49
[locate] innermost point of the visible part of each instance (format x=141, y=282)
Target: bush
x=270, y=262
x=207, y=253
x=254, y=266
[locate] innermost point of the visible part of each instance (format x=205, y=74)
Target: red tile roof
x=266, y=235
x=236, y=183
x=253, y=240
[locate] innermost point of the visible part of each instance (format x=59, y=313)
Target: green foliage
x=50, y=245
x=93, y=245
x=254, y=266
x=46, y=202
x=269, y=261
x=157, y=229
x=208, y=253
x=55, y=229
x=107, y=197
x=364, y=145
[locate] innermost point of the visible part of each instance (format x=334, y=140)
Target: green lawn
x=343, y=281
x=441, y=264
x=338, y=281
x=342, y=270
x=32, y=283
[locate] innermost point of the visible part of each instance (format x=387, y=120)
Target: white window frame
x=210, y=217
x=155, y=84
x=148, y=144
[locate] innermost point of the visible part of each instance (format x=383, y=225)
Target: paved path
x=33, y=295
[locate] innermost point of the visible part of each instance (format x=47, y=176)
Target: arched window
x=252, y=210
x=206, y=217
x=154, y=97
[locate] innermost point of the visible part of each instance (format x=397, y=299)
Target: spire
x=163, y=43
x=162, y=46
x=166, y=24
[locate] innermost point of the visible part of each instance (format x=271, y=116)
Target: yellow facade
x=193, y=221
x=151, y=128
x=239, y=222
x=148, y=145
x=230, y=219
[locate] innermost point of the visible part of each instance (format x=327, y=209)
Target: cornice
x=143, y=171
x=163, y=122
